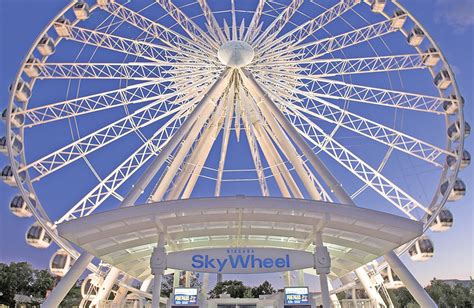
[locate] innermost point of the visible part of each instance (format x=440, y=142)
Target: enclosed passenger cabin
x=17, y=119
x=454, y=130
x=416, y=37
x=8, y=178
x=90, y=286
x=81, y=10
x=422, y=250
x=377, y=6
x=37, y=236
x=62, y=26
x=17, y=145
x=22, y=91
x=390, y=279
x=458, y=192
x=46, y=46
x=465, y=160
x=60, y=263
x=443, y=222
x=31, y=67
x=453, y=104
x=19, y=207
x=431, y=57
x=104, y=2
x=398, y=19
x=443, y=80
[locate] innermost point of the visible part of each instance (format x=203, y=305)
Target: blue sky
x=450, y=22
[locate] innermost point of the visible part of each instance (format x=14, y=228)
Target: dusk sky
x=450, y=23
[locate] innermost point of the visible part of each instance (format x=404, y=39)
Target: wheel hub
x=235, y=54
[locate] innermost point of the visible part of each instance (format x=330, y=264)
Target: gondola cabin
x=377, y=6
x=37, y=236
x=454, y=130
x=32, y=69
x=465, y=160
x=422, y=250
x=81, y=10
x=458, y=191
x=391, y=280
x=443, y=80
x=19, y=207
x=22, y=91
x=431, y=57
x=453, y=104
x=17, y=145
x=62, y=26
x=416, y=37
x=8, y=177
x=60, y=263
x=443, y=222
x=398, y=19
x=46, y=46
x=17, y=119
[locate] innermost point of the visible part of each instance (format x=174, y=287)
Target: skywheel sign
x=240, y=260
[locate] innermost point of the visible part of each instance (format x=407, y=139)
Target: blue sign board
x=297, y=296
x=185, y=296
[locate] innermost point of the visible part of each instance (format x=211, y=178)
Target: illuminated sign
x=297, y=296
x=240, y=260
x=185, y=296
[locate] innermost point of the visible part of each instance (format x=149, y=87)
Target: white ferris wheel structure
x=155, y=103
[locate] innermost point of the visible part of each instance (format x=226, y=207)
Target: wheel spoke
x=211, y=21
x=278, y=23
x=254, y=23
x=109, y=185
x=193, y=30
x=302, y=32
x=172, y=39
x=387, y=189
x=324, y=110
x=158, y=110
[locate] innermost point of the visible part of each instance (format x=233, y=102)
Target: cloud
x=458, y=14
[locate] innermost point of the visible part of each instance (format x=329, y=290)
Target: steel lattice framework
x=144, y=80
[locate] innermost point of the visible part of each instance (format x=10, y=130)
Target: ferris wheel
x=344, y=101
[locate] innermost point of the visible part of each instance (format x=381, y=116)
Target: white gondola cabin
x=60, y=263
x=454, y=130
x=391, y=280
x=22, y=91
x=16, y=119
x=8, y=178
x=31, y=67
x=19, y=207
x=443, y=80
x=458, y=192
x=398, y=19
x=81, y=10
x=416, y=37
x=377, y=6
x=17, y=145
x=465, y=160
x=422, y=250
x=443, y=222
x=37, y=236
x=46, y=46
x=62, y=26
x=90, y=286
x=453, y=104
x=104, y=2
x=431, y=57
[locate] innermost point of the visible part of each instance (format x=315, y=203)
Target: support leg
x=67, y=282
x=322, y=264
x=418, y=292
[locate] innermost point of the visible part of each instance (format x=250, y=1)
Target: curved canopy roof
x=125, y=237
